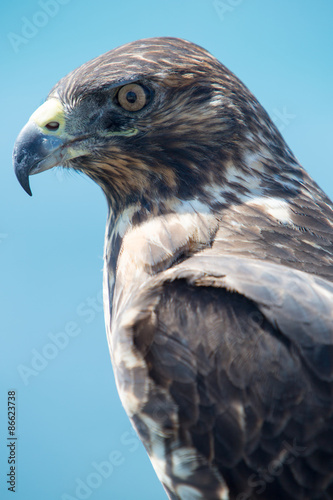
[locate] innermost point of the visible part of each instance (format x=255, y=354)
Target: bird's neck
x=137, y=226
x=140, y=243
x=143, y=238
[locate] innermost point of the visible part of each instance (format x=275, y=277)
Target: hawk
x=218, y=269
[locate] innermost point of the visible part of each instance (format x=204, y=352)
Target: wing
x=240, y=380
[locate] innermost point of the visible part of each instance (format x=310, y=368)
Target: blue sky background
x=69, y=417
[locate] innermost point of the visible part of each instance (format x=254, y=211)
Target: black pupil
x=131, y=97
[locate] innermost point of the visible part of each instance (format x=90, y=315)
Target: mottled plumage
x=218, y=269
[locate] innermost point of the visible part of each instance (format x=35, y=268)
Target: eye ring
x=132, y=97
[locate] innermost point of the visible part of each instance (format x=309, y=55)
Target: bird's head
x=154, y=118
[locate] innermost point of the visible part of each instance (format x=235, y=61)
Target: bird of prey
x=218, y=269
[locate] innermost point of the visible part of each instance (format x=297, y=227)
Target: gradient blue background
x=69, y=414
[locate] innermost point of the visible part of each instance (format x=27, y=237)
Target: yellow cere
x=51, y=111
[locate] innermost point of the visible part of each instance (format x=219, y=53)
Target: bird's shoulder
x=232, y=349
x=204, y=256
x=242, y=355
x=296, y=305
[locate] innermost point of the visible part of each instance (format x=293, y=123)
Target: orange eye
x=132, y=97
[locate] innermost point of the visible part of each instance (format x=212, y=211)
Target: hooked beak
x=44, y=143
x=35, y=152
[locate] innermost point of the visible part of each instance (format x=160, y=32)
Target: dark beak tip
x=27, y=190
x=22, y=175
x=24, y=183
